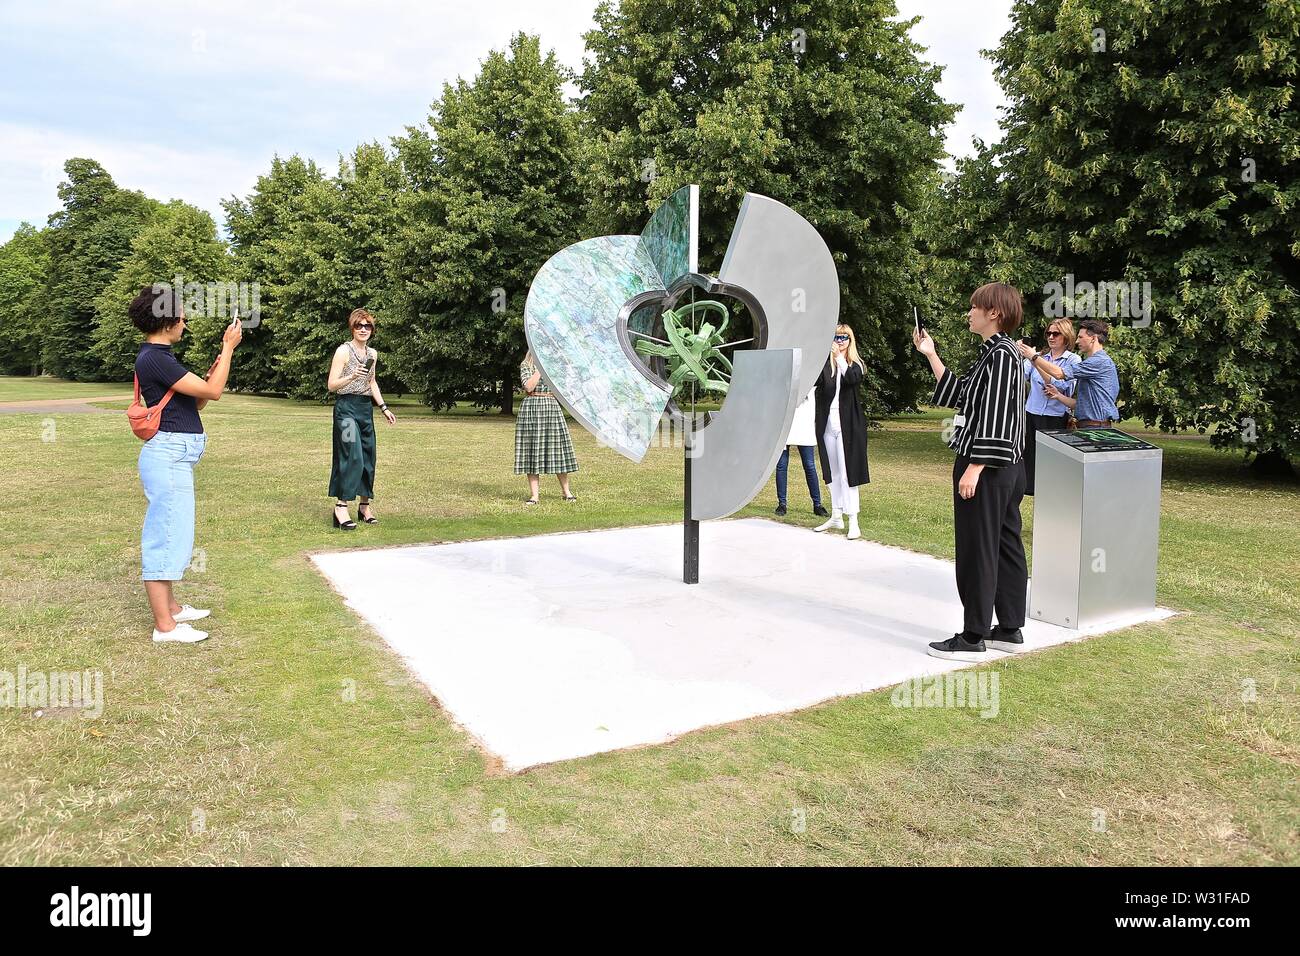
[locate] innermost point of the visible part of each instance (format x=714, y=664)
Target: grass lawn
x=247, y=749
x=32, y=389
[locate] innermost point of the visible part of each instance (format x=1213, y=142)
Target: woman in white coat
x=803, y=435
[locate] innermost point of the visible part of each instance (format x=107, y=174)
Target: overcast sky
x=189, y=100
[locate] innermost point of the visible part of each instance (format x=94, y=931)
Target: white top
x=841, y=366
x=803, y=429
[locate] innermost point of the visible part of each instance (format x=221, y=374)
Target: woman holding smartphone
x=543, y=445
x=1044, y=410
x=988, y=476
x=352, y=379
x=167, y=459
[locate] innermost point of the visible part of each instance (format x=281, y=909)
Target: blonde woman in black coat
x=842, y=431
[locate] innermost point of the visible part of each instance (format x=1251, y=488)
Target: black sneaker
x=958, y=648
x=821, y=512
x=1004, y=640
x=780, y=509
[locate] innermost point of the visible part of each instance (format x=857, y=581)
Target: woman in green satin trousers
x=352, y=378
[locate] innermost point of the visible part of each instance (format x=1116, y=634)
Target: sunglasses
x=1053, y=334
x=841, y=338
x=364, y=325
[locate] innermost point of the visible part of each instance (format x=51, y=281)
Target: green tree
x=258, y=226
x=331, y=259
x=491, y=195
x=1158, y=143
x=88, y=240
x=826, y=106
x=964, y=242
x=179, y=241
x=23, y=268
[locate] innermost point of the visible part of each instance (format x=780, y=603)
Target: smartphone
x=916, y=318
x=370, y=363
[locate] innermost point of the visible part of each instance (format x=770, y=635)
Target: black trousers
x=991, y=572
x=1033, y=424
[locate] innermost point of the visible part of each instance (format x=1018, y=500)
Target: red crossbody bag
x=145, y=420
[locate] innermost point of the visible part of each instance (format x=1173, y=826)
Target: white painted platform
x=558, y=646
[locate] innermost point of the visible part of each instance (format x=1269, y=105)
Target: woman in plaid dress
x=542, y=442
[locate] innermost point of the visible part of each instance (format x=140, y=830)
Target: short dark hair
x=1098, y=327
x=1003, y=299
x=154, y=309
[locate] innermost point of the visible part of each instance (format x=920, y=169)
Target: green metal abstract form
x=693, y=358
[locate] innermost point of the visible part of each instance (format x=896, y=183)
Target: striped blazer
x=990, y=400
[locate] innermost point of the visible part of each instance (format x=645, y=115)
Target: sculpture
x=590, y=300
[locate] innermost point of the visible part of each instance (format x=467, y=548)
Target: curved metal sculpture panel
x=569, y=320
x=777, y=256
x=733, y=458
x=671, y=237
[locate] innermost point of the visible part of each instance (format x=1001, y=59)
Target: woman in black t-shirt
x=167, y=460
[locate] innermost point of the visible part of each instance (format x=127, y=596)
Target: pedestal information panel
x=1096, y=526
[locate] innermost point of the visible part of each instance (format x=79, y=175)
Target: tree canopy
x=87, y=241
x=24, y=266
x=492, y=194
x=1151, y=143
x=826, y=106
x=1155, y=143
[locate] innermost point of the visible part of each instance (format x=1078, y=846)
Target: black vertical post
x=690, y=528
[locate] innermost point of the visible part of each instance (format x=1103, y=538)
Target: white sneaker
x=835, y=521
x=181, y=634
x=854, y=533
x=188, y=613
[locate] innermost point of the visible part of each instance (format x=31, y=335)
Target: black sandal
x=531, y=501
x=370, y=520
x=570, y=497
x=348, y=525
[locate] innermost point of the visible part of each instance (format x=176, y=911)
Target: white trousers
x=844, y=496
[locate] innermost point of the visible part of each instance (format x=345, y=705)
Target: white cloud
x=226, y=86
x=379, y=45
x=955, y=31
x=31, y=168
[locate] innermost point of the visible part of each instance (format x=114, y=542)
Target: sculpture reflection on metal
x=590, y=301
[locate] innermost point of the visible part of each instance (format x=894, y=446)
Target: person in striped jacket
x=988, y=477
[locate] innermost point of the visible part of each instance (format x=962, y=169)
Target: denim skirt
x=167, y=472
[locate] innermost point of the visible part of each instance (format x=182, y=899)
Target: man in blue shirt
x=1098, y=389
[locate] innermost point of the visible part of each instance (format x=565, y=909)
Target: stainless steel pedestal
x=1096, y=527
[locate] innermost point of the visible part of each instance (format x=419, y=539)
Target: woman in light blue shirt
x=1042, y=412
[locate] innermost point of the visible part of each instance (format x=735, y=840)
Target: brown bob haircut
x=1004, y=300
x=359, y=314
